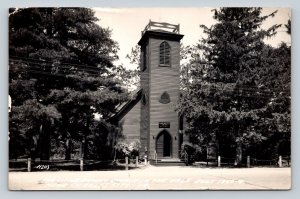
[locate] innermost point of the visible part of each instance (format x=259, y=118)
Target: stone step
x=167, y=162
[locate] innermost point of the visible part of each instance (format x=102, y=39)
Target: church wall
x=144, y=122
x=130, y=123
x=164, y=79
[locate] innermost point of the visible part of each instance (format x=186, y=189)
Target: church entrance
x=164, y=144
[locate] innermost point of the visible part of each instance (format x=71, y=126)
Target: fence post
x=126, y=163
x=29, y=164
x=81, y=164
x=186, y=158
x=280, y=161
x=219, y=161
x=136, y=161
x=80, y=150
x=248, y=161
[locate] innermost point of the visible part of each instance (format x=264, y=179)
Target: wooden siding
x=163, y=79
x=155, y=80
x=130, y=123
x=144, y=114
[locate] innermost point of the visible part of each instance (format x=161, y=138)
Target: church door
x=164, y=145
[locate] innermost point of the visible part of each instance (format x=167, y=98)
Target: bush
x=125, y=149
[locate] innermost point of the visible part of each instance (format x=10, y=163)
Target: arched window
x=164, y=54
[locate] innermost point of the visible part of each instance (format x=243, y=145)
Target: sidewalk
x=155, y=178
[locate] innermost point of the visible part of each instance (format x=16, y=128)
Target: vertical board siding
x=130, y=123
x=144, y=109
x=155, y=80
x=163, y=79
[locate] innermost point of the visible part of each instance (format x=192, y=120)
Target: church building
x=150, y=115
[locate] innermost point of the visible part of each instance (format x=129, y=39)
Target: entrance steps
x=168, y=162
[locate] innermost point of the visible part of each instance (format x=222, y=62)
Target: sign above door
x=164, y=125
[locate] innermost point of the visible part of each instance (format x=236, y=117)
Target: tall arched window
x=164, y=54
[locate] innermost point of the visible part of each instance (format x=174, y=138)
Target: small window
x=164, y=54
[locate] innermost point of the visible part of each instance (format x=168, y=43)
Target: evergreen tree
x=224, y=94
x=60, y=59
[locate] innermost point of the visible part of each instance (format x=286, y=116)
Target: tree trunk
x=45, y=142
x=34, y=147
x=68, y=149
x=84, y=148
x=239, y=153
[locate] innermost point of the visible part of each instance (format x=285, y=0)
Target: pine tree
x=223, y=98
x=60, y=59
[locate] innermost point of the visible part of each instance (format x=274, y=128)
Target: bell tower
x=160, y=65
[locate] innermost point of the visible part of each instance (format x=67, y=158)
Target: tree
x=28, y=123
x=288, y=27
x=134, y=56
x=276, y=76
x=62, y=60
x=132, y=76
x=129, y=78
x=223, y=98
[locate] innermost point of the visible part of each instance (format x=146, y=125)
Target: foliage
x=230, y=85
x=128, y=149
x=288, y=27
x=28, y=123
x=62, y=60
x=132, y=77
x=129, y=78
x=134, y=56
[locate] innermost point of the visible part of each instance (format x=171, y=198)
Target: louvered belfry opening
x=164, y=54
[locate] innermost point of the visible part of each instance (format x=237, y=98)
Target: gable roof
x=124, y=108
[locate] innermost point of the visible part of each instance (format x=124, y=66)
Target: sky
x=127, y=23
